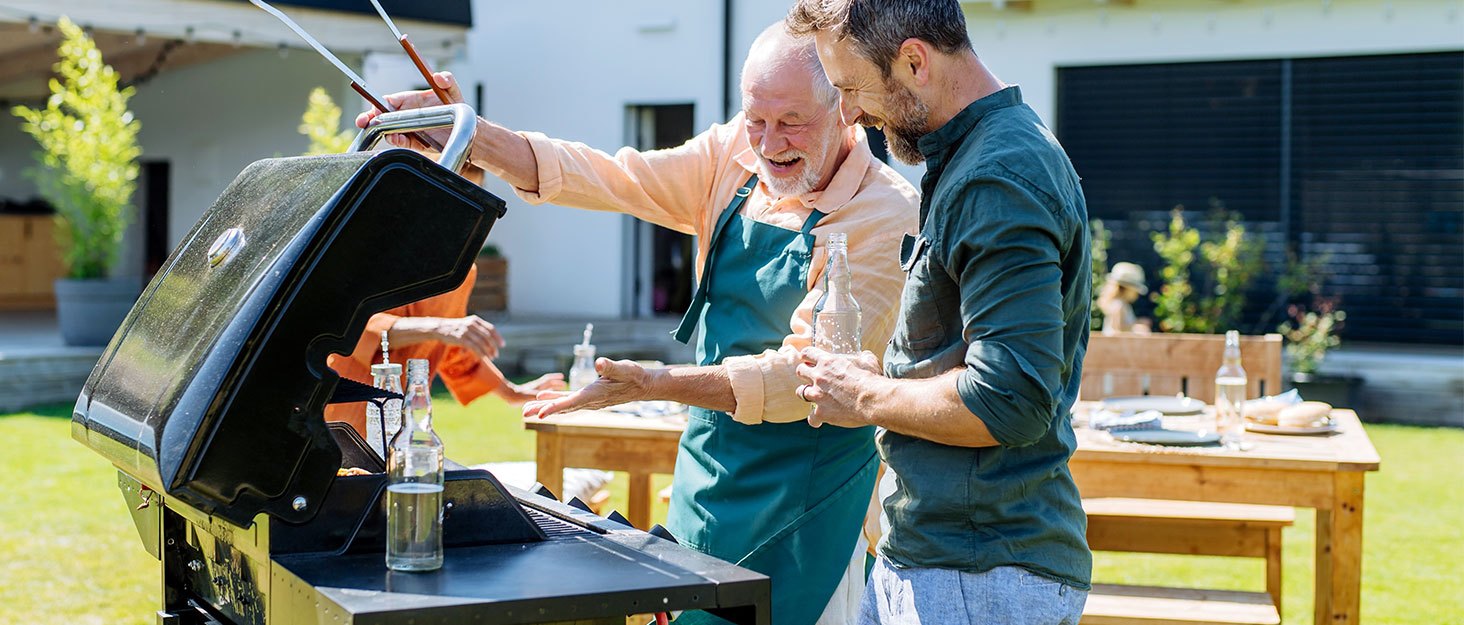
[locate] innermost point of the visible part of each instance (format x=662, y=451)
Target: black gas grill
x=209, y=401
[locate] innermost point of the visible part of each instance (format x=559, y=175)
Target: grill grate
x=554, y=527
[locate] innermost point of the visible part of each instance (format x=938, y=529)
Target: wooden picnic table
x=1324, y=473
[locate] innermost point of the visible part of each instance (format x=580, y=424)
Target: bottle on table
x=582, y=372
x=1230, y=390
x=414, y=489
x=836, y=315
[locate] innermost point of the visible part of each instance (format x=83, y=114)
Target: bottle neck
x=840, y=279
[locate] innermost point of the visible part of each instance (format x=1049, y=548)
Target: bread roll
x=1264, y=410
x=1304, y=414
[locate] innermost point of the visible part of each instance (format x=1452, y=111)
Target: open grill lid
x=212, y=390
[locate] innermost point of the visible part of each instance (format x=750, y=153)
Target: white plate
x=1182, y=438
x=1162, y=403
x=1262, y=428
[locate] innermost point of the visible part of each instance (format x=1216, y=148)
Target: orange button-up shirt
x=686, y=188
x=467, y=376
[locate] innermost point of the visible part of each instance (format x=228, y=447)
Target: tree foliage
x=87, y=164
x=321, y=124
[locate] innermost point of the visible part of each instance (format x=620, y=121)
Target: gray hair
x=775, y=48
x=877, y=28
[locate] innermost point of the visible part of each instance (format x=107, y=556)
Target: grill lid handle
x=459, y=116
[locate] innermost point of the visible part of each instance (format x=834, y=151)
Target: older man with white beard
x=755, y=484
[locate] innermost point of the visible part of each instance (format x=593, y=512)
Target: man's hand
x=517, y=394
x=415, y=100
x=621, y=381
x=834, y=385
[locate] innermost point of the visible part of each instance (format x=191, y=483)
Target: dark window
x=1360, y=159
x=662, y=258
x=154, y=184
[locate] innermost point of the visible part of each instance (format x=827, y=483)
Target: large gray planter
x=90, y=311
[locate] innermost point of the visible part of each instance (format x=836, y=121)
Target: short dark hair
x=877, y=28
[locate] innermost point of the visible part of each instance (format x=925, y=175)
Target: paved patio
x=37, y=368
x=1421, y=385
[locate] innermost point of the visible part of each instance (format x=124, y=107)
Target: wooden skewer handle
x=426, y=71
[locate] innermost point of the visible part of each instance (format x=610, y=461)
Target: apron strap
x=812, y=220
x=699, y=300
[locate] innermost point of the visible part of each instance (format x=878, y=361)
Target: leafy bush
x=321, y=124
x=1228, y=263
x=1101, y=240
x=1310, y=333
x=88, y=157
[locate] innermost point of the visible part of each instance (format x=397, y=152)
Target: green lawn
x=69, y=554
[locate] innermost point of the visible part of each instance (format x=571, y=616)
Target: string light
x=141, y=37
x=188, y=34
x=34, y=25
x=238, y=38
x=284, y=50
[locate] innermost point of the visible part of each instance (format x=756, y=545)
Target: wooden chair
x=1166, y=364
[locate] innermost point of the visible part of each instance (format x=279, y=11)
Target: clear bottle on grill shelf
x=383, y=422
x=1230, y=391
x=414, y=490
x=836, y=316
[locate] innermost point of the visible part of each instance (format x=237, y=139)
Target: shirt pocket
x=919, y=330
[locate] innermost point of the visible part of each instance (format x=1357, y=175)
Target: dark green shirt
x=998, y=285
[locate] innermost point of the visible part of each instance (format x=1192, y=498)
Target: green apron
x=784, y=499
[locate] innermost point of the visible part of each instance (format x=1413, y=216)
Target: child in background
x=1124, y=285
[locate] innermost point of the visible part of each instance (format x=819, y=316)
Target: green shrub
x=321, y=124
x=1101, y=240
x=1311, y=333
x=88, y=157
x=1228, y=262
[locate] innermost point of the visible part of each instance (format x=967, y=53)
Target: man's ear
x=913, y=60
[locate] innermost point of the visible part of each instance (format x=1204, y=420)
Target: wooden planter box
x=490, y=292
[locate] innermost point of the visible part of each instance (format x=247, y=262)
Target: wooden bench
x=1187, y=528
x=1166, y=364
x=1110, y=604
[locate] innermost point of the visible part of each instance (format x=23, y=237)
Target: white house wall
x=208, y=121
x=213, y=119
x=569, y=69
x=1027, y=47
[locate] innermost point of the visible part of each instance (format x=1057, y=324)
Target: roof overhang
x=133, y=34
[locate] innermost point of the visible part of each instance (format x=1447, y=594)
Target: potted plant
x=1310, y=334
x=87, y=171
x=490, y=292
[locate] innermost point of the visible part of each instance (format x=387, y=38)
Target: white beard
x=789, y=187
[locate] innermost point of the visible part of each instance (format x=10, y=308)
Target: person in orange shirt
x=459, y=347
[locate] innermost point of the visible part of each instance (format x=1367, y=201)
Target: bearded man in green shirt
x=973, y=409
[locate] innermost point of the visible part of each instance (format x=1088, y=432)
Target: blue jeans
x=1004, y=595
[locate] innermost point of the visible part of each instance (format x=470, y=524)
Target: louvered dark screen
x=1360, y=159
